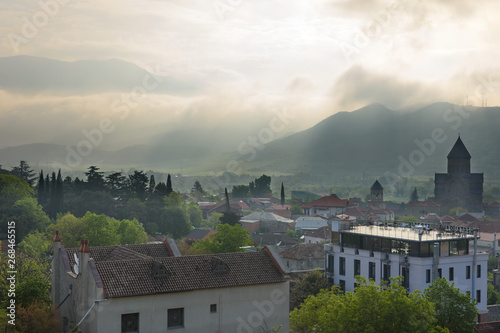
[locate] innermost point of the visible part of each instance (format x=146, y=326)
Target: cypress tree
x=414, y=196
x=228, y=206
x=282, y=194
x=169, y=185
x=152, y=184
x=53, y=200
x=41, y=189
x=59, y=193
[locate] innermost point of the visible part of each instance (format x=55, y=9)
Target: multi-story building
x=419, y=256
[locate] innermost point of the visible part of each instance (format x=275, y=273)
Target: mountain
x=373, y=140
x=377, y=140
x=34, y=75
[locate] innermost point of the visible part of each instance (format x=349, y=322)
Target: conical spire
x=459, y=150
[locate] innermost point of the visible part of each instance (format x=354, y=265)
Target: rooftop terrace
x=406, y=234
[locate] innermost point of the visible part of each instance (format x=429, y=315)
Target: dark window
x=213, y=308
x=405, y=272
x=478, y=296
x=342, y=285
x=175, y=318
x=130, y=322
x=357, y=267
x=467, y=272
x=440, y=273
x=427, y=276
x=451, y=274
x=387, y=272
x=478, y=271
x=371, y=270
x=342, y=266
x=331, y=263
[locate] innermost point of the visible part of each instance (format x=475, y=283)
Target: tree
x=152, y=185
x=214, y=220
x=195, y=215
x=414, y=196
x=27, y=267
x=296, y=209
x=371, y=308
x=71, y=228
x=228, y=239
x=24, y=171
x=230, y=218
x=282, y=194
x=174, y=221
x=100, y=230
x=197, y=190
x=493, y=295
x=240, y=191
x=310, y=284
x=32, y=289
x=38, y=317
x=29, y=216
x=116, y=184
x=95, y=179
x=454, y=310
x=169, y=185
x=262, y=186
x=138, y=183
x=36, y=245
x=161, y=190
x=41, y=189
x=131, y=232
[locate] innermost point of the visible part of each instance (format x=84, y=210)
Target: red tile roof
x=328, y=201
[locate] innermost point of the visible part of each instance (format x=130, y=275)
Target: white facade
x=241, y=309
x=343, y=263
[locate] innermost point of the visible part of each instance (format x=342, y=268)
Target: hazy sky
x=311, y=58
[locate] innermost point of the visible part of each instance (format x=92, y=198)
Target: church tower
x=459, y=159
x=459, y=187
x=377, y=194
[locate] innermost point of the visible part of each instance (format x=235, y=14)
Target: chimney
x=56, y=269
x=83, y=257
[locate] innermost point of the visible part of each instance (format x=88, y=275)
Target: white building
x=150, y=288
x=380, y=253
x=327, y=206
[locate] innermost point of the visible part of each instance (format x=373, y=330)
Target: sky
x=252, y=59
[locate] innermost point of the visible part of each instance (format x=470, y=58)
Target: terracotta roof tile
x=328, y=201
x=135, y=277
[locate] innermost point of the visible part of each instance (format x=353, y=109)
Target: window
x=175, y=318
x=331, y=263
x=451, y=274
x=357, y=267
x=371, y=271
x=467, y=272
x=428, y=276
x=478, y=271
x=213, y=308
x=342, y=285
x=130, y=322
x=478, y=296
x=440, y=273
x=342, y=266
x=387, y=272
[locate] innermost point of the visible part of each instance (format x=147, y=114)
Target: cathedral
x=459, y=187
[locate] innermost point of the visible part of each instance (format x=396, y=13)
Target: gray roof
x=265, y=217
